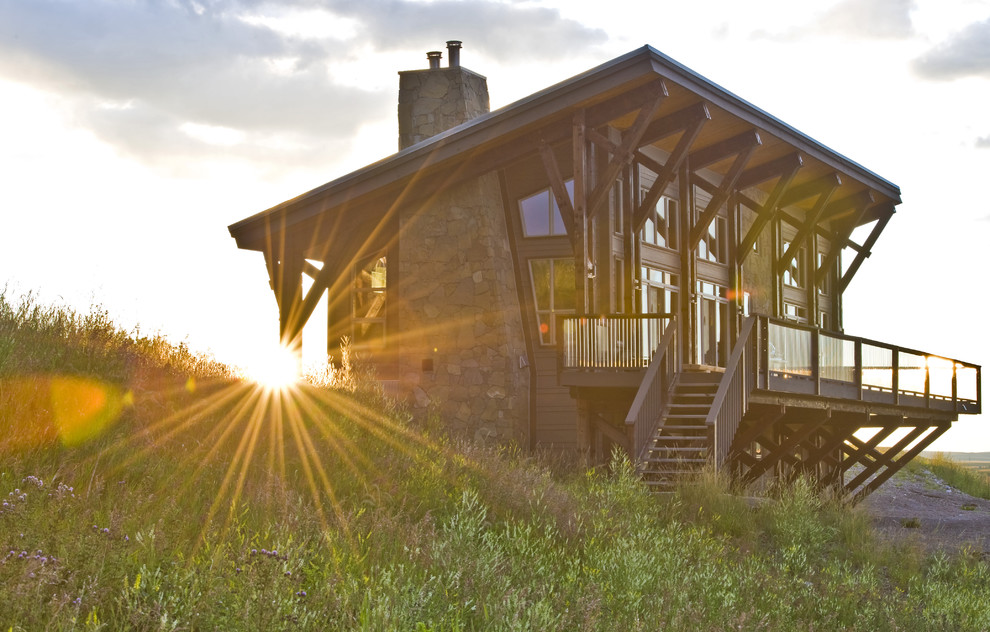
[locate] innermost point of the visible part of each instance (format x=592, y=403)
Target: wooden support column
x=287, y=283
x=581, y=183
x=689, y=273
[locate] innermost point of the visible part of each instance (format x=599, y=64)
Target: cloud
x=983, y=142
x=141, y=74
x=855, y=19
x=965, y=54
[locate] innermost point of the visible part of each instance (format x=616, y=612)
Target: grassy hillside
x=146, y=489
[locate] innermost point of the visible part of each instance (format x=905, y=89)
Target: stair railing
x=647, y=407
x=729, y=404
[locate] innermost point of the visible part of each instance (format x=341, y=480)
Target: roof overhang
x=608, y=94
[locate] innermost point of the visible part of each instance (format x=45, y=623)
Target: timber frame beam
x=689, y=121
x=867, y=248
x=742, y=147
x=786, y=171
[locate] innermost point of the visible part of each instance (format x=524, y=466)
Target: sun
x=275, y=368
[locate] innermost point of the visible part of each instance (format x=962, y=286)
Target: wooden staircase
x=682, y=443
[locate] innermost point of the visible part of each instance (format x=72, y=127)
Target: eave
x=491, y=141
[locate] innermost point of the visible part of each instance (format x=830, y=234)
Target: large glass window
x=368, y=303
x=661, y=226
x=658, y=291
x=712, y=324
x=541, y=215
x=553, y=293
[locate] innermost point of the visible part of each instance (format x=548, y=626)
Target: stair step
x=671, y=448
x=683, y=427
x=676, y=461
x=667, y=437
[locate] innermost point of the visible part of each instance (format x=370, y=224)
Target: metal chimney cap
x=434, y=57
x=453, y=53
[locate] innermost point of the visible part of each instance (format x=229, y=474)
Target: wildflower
x=301, y=593
x=288, y=573
x=106, y=530
x=254, y=551
x=237, y=570
x=126, y=539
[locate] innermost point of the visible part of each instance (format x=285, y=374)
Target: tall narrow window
x=660, y=228
x=553, y=293
x=712, y=324
x=794, y=272
x=825, y=287
x=713, y=244
x=541, y=215
x=368, y=303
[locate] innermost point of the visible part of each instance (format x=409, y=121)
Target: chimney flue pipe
x=454, y=53
x=434, y=57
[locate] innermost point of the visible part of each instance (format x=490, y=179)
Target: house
x=634, y=257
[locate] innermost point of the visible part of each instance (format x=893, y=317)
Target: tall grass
x=965, y=479
x=223, y=508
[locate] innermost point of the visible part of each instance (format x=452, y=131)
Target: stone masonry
x=461, y=328
x=432, y=101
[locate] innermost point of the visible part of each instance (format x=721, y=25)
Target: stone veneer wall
x=433, y=101
x=459, y=309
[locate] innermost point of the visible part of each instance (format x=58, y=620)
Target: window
x=794, y=272
x=826, y=285
x=368, y=303
x=661, y=225
x=658, y=291
x=541, y=215
x=795, y=313
x=713, y=244
x=553, y=294
x=617, y=206
x=712, y=324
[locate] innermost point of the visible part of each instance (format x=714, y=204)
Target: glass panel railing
x=790, y=350
x=966, y=382
x=836, y=358
x=911, y=373
x=940, y=377
x=878, y=367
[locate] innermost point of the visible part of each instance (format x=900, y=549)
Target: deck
x=790, y=396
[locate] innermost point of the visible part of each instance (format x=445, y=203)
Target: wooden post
x=580, y=149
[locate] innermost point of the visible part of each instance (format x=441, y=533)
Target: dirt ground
x=923, y=509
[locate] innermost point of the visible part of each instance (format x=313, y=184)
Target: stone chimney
x=434, y=100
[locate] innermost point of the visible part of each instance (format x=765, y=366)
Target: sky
x=133, y=132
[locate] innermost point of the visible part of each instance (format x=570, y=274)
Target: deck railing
x=729, y=404
x=648, y=405
x=800, y=359
x=615, y=341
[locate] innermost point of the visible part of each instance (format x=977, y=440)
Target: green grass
x=215, y=506
x=959, y=475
